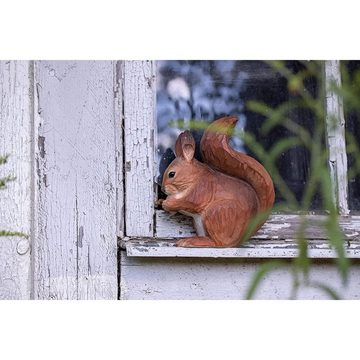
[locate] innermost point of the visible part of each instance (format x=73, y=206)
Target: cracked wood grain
x=76, y=180
x=139, y=129
x=278, y=226
x=335, y=124
x=224, y=278
x=255, y=248
x=119, y=144
x=15, y=199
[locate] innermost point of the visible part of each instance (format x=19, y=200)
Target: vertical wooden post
x=75, y=242
x=119, y=144
x=336, y=136
x=15, y=199
x=139, y=111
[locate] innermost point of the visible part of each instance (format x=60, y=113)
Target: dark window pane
x=351, y=84
x=207, y=90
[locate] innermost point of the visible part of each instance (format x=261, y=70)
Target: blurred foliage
x=6, y=179
x=319, y=178
x=319, y=175
x=3, y=183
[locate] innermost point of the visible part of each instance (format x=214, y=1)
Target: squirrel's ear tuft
x=185, y=146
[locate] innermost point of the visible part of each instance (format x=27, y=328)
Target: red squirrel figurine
x=222, y=194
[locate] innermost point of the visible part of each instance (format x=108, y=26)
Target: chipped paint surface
x=255, y=248
x=69, y=166
x=15, y=199
x=75, y=245
x=139, y=125
x=277, y=226
x=223, y=279
x=155, y=269
x=336, y=136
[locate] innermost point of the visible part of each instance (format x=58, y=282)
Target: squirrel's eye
x=171, y=174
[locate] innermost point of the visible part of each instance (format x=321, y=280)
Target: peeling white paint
x=139, y=128
x=336, y=136
x=277, y=226
x=75, y=244
x=253, y=249
x=78, y=194
x=223, y=279
x=15, y=199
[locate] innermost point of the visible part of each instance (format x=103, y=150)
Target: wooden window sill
x=255, y=248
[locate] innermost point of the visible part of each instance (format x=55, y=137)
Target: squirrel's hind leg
x=225, y=222
x=196, y=241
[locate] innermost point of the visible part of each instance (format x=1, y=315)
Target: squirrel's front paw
x=164, y=205
x=159, y=202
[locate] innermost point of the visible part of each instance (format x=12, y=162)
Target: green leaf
x=5, y=180
x=328, y=290
x=279, y=65
x=295, y=83
x=254, y=223
x=336, y=239
x=303, y=261
x=12, y=233
x=332, y=227
x=194, y=124
x=263, y=156
x=281, y=146
x=259, y=107
x=4, y=159
x=260, y=274
x=279, y=115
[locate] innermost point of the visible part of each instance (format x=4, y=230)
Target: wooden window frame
x=152, y=233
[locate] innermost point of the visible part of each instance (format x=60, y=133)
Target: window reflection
x=207, y=90
x=351, y=80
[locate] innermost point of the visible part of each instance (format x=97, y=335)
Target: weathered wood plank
x=75, y=250
x=335, y=123
x=221, y=279
x=139, y=111
x=119, y=143
x=15, y=274
x=252, y=249
x=282, y=226
x=15, y=207
x=173, y=225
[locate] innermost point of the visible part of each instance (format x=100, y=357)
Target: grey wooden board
x=277, y=227
x=119, y=156
x=222, y=279
x=15, y=206
x=253, y=249
x=75, y=243
x=335, y=125
x=15, y=275
x=139, y=132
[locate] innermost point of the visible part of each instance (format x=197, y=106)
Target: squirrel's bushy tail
x=217, y=153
